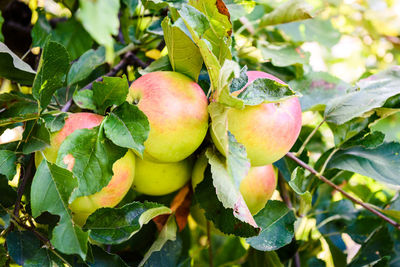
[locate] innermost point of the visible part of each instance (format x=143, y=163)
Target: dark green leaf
x=54, y=64
x=103, y=258
x=283, y=55
x=381, y=163
x=167, y=256
x=8, y=194
x=261, y=258
x=289, y=11
x=1, y=36
x=344, y=132
x=373, y=93
x=265, y=90
x=84, y=99
x=116, y=225
x=8, y=163
x=22, y=246
x=128, y=127
x=131, y=4
x=84, y=66
x=50, y=191
x=184, y=55
x=35, y=137
x=41, y=30
x=317, y=88
x=90, y=156
x=112, y=91
x=13, y=68
x=54, y=123
x=73, y=37
x=17, y=104
x=3, y=256
x=277, y=226
x=378, y=245
x=44, y=258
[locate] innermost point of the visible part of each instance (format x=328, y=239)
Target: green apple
x=268, y=131
x=176, y=108
x=156, y=179
x=123, y=169
x=256, y=188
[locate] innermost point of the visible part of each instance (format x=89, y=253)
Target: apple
x=176, y=108
x=256, y=188
x=269, y=130
x=123, y=169
x=156, y=179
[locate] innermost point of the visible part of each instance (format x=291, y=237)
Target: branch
x=28, y=174
x=129, y=59
x=325, y=180
x=210, y=252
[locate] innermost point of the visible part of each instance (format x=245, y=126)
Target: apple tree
x=199, y=133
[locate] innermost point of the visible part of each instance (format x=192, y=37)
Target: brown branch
x=27, y=175
x=344, y=193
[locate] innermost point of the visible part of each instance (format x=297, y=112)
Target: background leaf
x=8, y=163
x=112, y=91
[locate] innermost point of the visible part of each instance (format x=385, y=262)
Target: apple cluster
x=176, y=108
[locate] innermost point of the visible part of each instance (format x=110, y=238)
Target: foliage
x=339, y=58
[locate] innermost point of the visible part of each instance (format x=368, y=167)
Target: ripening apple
x=156, y=179
x=123, y=169
x=256, y=188
x=268, y=130
x=176, y=108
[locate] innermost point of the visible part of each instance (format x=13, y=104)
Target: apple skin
x=176, y=108
x=269, y=130
x=256, y=188
x=123, y=169
x=157, y=179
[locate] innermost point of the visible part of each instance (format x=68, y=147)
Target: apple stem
x=344, y=193
x=298, y=153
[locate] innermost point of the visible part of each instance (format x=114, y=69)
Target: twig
x=210, y=253
x=325, y=180
x=28, y=174
x=309, y=138
x=286, y=199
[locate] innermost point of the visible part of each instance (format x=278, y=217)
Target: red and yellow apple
x=156, y=179
x=269, y=130
x=256, y=188
x=176, y=108
x=123, y=169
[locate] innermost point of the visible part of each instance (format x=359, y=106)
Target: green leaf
x=8, y=194
x=17, y=104
x=54, y=64
x=161, y=64
x=348, y=130
x=229, y=76
x=222, y=201
x=13, y=68
x=283, y=55
x=41, y=30
x=128, y=127
x=264, y=90
x=237, y=162
x=313, y=30
x=299, y=185
x=131, y=4
x=261, y=258
x=90, y=156
x=44, y=258
x=277, y=226
x=100, y=19
x=22, y=246
x=239, y=8
x=54, y=123
x=169, y=255
x=317, y=88
x=103, y=258
x=112, y=91
x=50, y=191
x=378, y=245
x=84, y=99
x=84, y=66
x=219, y=119
x=289, y=11
x=73, y=37
x=183, y=54
x=381, y=163
x=3, y=256
x=1, y=24
x=8, y=163
x=35, y=137
x=373, y=93
x=116, y=225
x=167, y=233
